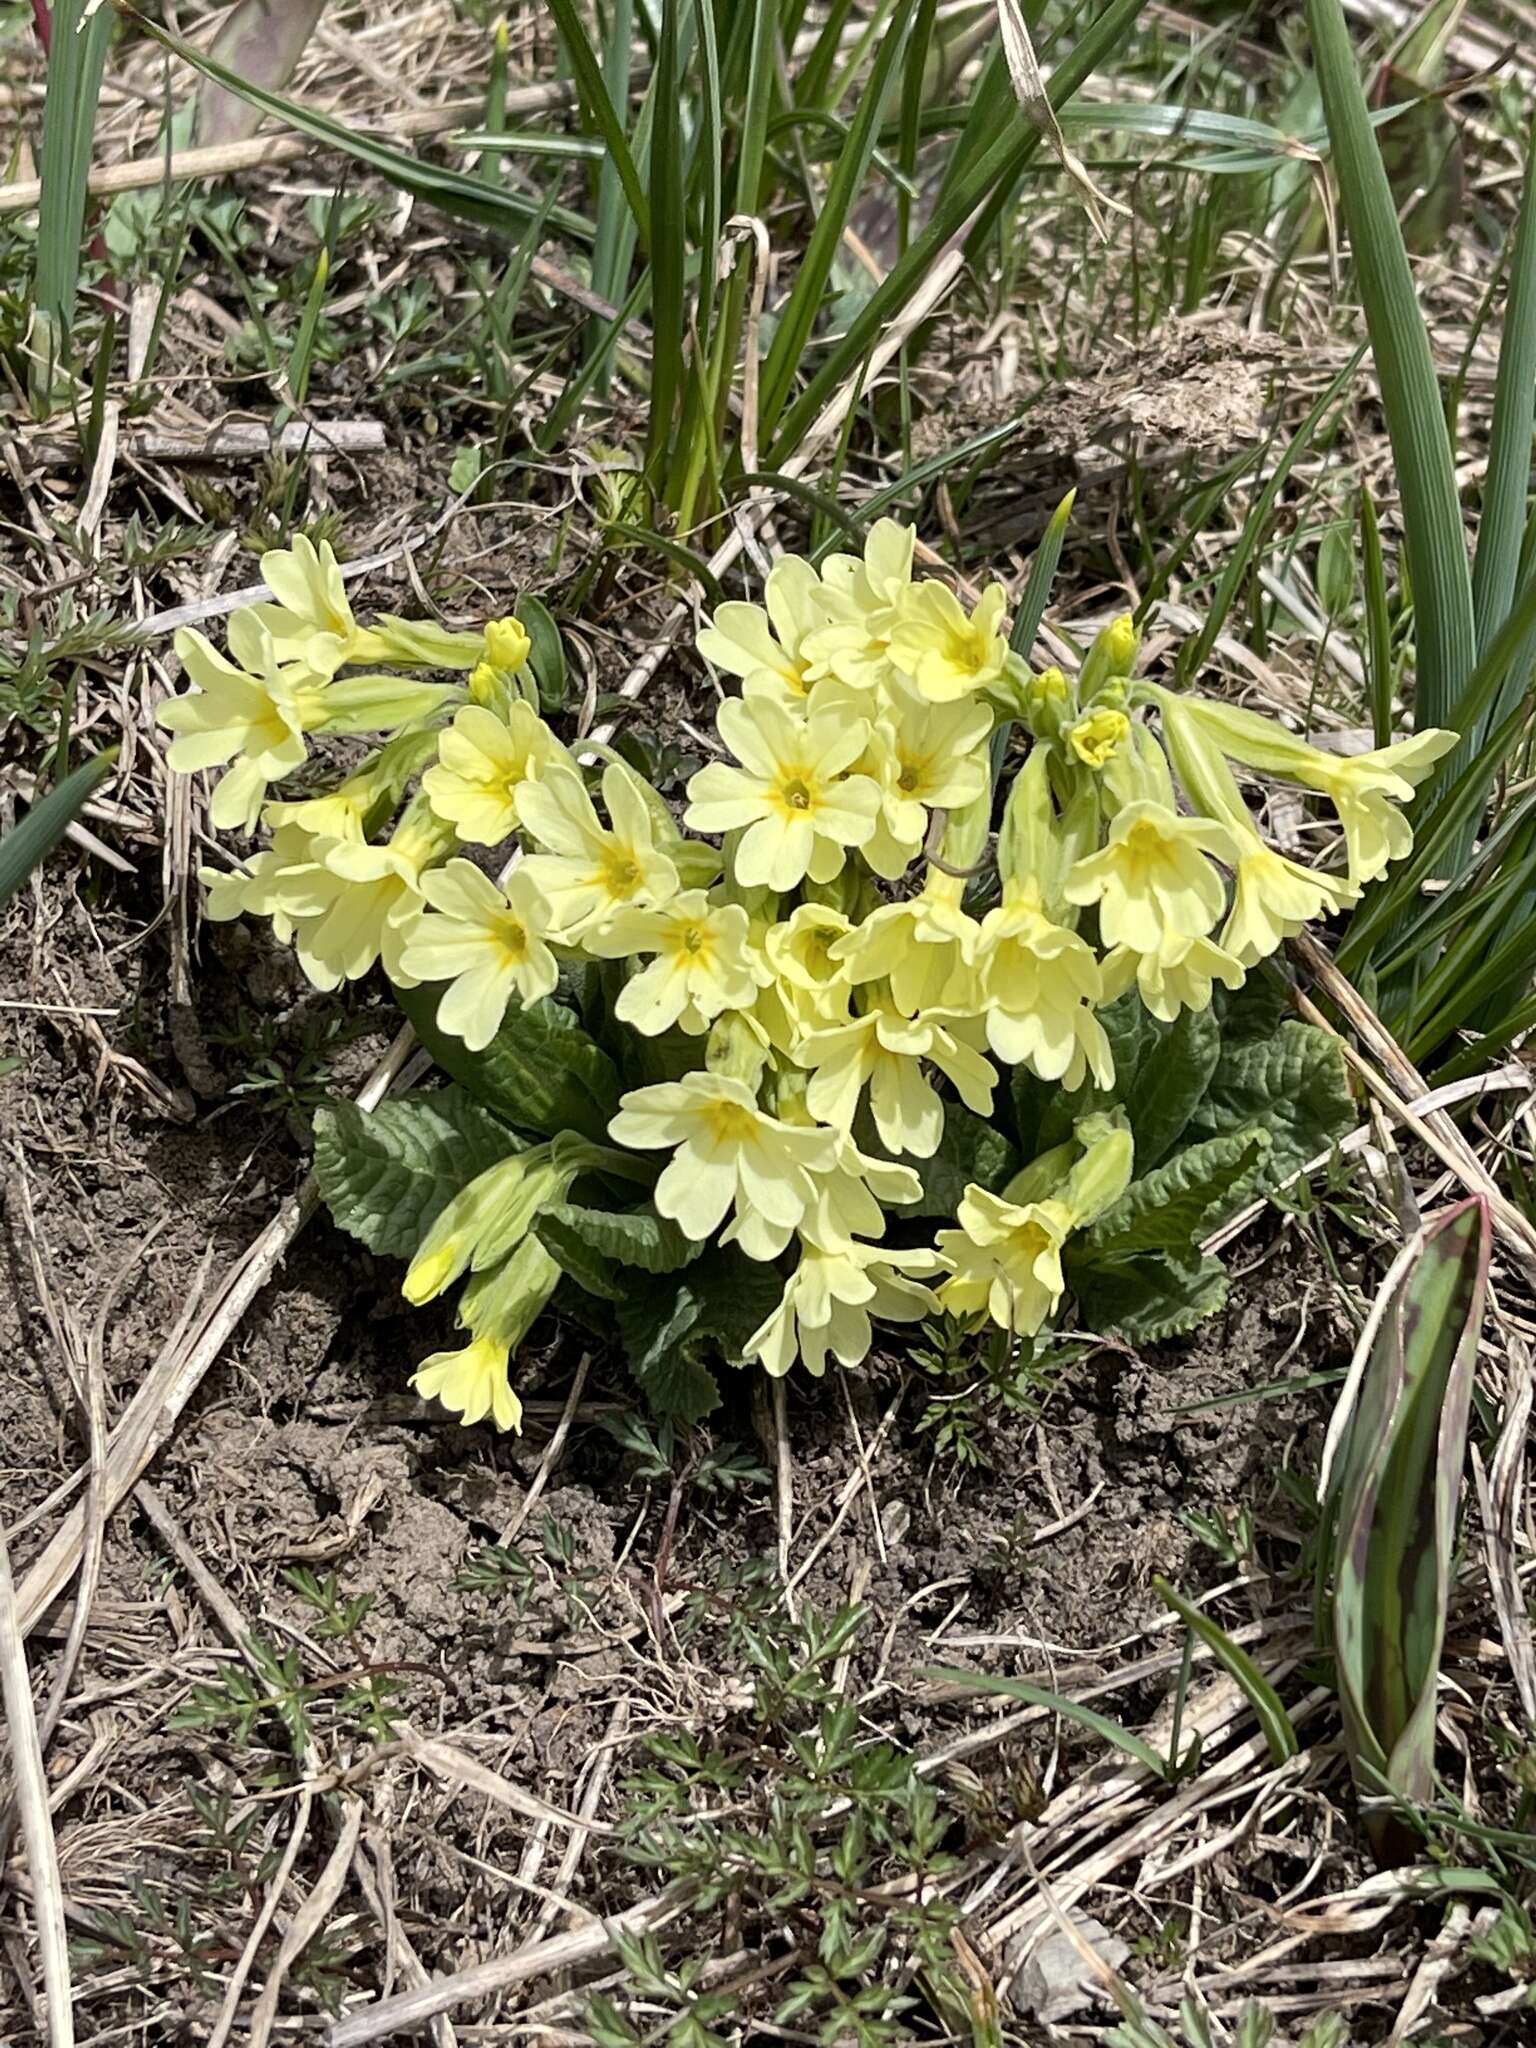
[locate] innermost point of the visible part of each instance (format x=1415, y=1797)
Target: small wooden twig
x=552, y=1451
x=576, y=1842
x=230, y=441
x=306, y=1923
x=263, y=1921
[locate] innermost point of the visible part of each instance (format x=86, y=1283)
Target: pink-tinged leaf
x=263, y=41
x=1392, y=1475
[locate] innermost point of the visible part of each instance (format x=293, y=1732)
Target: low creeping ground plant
x=858, y=1037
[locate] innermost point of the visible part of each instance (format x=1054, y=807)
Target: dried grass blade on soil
x=1391, y=1478
x=262, y=40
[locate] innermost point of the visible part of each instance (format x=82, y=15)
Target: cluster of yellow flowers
x=861, y=743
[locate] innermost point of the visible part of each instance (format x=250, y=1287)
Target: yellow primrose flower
x=830, y=1298
x=485, y=1220
x=498, y=1308
x=861, y=597
x=1363, y=788
x=472, y=1383
x=364, y=800
x=1039, y=985
x=796, y=806
x=704, y=963
x=803, y=987
x=1006, y=1259
x=482, y=762
x=507, y=645
x=311, y=621
x=593, y=870
x=924, y=947
x=1154, y=880
x=489, y=943
x=1098, y=736
x=924, y=756
x=854, y=1194
x=249, y=710
x=727, y=1152
x=252, y=890
x=355, y=904
x=766, y=644
x=941, y=652
x=1273, y=898
x=885, y=1051
x=1178, y=974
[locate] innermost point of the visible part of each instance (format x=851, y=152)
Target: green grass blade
x=1269, y=1711
x=456, y=192
x=613, y=243
x=46, y=822
x=1194, y=655
x=1056, y=1703
x=595, y=95
x=983, y=186
x=1042, y=574
x=798, y=319
x=669, y=243
x=1434, y=539
x=1378, y=623
x=76, y=57
x=1501, y=529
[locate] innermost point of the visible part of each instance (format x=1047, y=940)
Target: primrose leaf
x=1176, y=1204
x=1293, y=1084
x=673, y=1324
x=1171, y=1080
x=385, y=1173
x=1150, y=1297
x=591, y=1243
x=541, y=1071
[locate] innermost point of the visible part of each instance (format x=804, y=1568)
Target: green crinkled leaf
x=1178, y=1203
x=1150, y=1297
x=385, y=1173
x=672, y=1324
x=1254, y=1011
x=971, y=1149
x=1170, y=1081
x=1293, y=1084
x=628, y=1237
x=541, y=1071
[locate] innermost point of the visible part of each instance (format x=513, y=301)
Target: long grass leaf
x=1274, y=1722
x=993, y=172
x=1036, y=594
x=46, y=822
x=798, y=319
x=1434, y=539
x=456, y=192
x=669, y=245
x=76, y=57
x=1378, y=623
x=594, y=92
x=1500, y=531
x=1057, y=1703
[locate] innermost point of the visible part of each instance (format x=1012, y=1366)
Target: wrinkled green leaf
x=630, y=1237
x=673, y=1325
x=541, y=1071
x=1294, y=1085
x=385, y=1173
x=1180, y=1202
x=1150, y=1297
x=1171, y=1078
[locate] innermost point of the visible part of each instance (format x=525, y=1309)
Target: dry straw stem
x=218, y=160
x=32, y=1803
